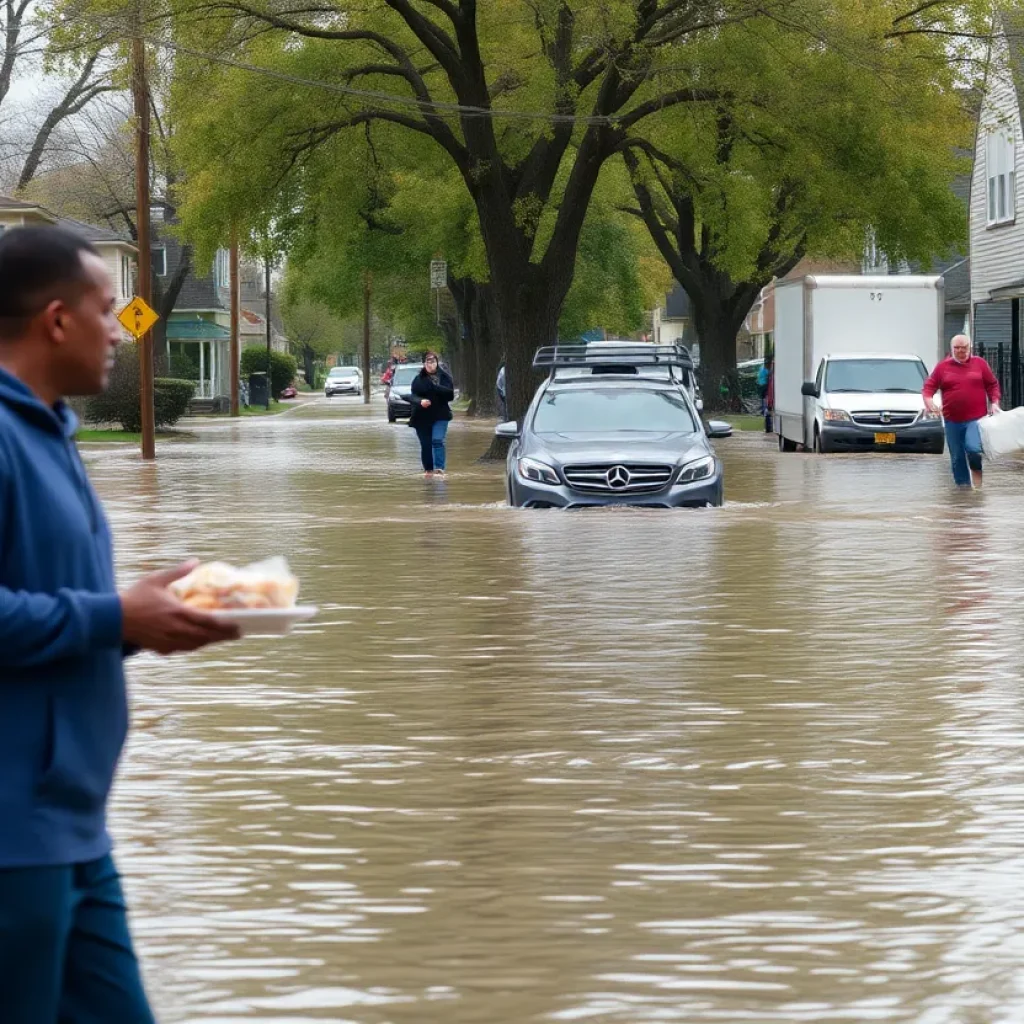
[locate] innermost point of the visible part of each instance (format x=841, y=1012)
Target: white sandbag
x=1003, y=433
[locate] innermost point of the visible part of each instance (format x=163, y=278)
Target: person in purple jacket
x=65, y=950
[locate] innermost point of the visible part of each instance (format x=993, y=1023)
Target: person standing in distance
x=968, y=387
x=65, y=950
x=432, y=393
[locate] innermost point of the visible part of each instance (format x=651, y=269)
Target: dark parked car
x=614, y=433
x=399, y=397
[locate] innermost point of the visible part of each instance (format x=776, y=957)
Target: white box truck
x=851, y=357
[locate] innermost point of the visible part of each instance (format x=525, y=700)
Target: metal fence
x=998, y=357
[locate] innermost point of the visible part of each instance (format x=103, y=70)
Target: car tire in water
x=819, y=445
x=785, y=445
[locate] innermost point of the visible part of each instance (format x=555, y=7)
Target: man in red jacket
x=968, y=386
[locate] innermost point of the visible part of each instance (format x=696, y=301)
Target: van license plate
x=885, y=438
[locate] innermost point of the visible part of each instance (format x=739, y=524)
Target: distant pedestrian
x=499, y=388
x=969, y=392
x=432, y=394
x=65, y=949
x=764, y=380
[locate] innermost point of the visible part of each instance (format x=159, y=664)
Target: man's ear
x=52, y=319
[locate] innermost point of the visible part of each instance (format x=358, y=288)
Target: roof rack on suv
x=556, y=357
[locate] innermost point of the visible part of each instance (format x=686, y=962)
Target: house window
x=127, y=275
x=1000, y=170
x=222, y=269
x=159, y=257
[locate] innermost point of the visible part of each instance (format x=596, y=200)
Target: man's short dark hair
x=37, y=266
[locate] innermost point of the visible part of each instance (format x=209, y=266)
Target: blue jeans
x=432, y=451
x=65, y=951
x=964, y=443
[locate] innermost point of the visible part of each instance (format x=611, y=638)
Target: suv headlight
x=836, y=416
x=701, y=469
x=929, y=417
x=540, y=472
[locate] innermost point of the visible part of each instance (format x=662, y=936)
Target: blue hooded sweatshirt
x=63, y=707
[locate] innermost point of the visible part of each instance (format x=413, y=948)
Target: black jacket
x=440, y=395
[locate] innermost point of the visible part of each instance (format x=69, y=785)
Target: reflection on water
x=763, y=763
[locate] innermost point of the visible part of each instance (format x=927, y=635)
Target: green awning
x=196, y=330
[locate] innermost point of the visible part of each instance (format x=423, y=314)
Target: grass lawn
x=122, y=436
x=259, y=410
x=742, y=421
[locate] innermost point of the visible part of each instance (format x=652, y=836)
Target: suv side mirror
x=700, y=404
x=509, y=430
x=810, y=390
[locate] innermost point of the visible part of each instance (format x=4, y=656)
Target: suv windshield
x=343, y=371
x=874, y=375
x=404, y=375
x=608, y=410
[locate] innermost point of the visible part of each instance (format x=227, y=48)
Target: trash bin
x=258, y=389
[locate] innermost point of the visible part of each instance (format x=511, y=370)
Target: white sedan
x=344, y=380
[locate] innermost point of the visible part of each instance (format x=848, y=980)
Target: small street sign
x=438, y=274
x=137, y=318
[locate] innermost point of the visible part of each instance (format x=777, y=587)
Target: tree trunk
x=718, y=322
x=452, y=348
x=524, y=319
x=487, y=351
x=309, y=365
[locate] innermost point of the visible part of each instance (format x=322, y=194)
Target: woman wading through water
x=432, y=393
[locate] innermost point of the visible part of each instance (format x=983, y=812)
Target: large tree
x=92, y=178
x=313, y=331
x=385, y=209
x=807, y=149
x=65, y=84
x=525, y=100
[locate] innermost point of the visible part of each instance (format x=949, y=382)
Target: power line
x=424, y=106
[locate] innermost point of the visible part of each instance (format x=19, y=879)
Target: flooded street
x=755, y=764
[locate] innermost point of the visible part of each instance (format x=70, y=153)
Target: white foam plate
x=267, y=621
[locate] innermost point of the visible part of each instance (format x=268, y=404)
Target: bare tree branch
x=79, y=94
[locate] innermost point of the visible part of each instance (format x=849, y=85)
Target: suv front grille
x=618, y=477
x=884, y=419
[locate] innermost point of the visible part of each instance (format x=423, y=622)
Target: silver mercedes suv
x=612, y=429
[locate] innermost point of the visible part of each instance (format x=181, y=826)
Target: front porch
x=200, y=349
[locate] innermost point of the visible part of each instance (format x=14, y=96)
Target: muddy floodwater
x=754, y=764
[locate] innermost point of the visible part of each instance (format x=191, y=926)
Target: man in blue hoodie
x=65, y=950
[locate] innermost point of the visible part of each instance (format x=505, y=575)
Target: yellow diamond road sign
x=137, y=317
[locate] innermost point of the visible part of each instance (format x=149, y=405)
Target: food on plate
x=217, y=586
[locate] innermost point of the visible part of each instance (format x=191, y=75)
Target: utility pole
x=140, y=94
x=270, y=358
x=234, y=352
x=367, y=283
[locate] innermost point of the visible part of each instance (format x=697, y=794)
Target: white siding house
x=118, y=253
x=997, y=209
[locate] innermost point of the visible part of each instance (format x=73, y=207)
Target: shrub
x=120, y=402
x=171, y=399
x=183, y=368
x=283, y=367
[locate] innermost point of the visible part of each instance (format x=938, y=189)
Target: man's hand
x=155, y=620
x=425, y=402
x=994, y=409
x=930, y=405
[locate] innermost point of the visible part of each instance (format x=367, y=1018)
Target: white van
x=851, y=357
x=864, y=402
